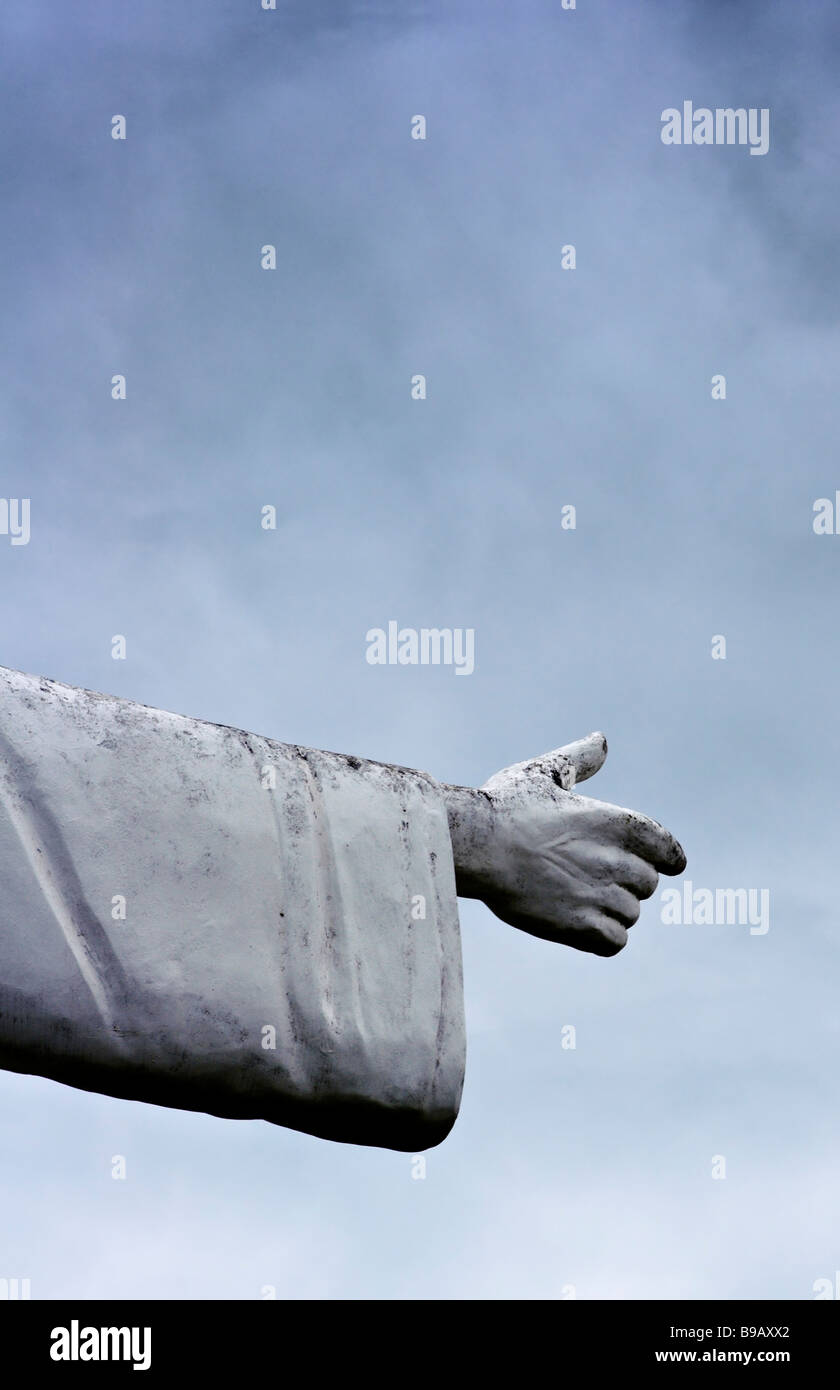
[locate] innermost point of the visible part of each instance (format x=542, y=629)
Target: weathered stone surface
x=246, y=908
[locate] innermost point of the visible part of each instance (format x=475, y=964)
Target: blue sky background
x=591, y=1167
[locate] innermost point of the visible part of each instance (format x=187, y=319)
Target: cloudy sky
x=588, y=1168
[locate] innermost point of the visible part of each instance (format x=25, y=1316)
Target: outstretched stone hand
x=550, y=862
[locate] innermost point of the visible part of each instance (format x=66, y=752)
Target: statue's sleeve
x=203, y=918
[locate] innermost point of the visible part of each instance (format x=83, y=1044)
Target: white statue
x=203, y=918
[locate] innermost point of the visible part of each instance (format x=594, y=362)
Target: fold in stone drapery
x=203, y=918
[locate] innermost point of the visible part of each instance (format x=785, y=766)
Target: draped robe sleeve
x=199, y=917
